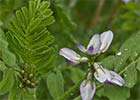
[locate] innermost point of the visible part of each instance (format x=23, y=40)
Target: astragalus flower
x=87, y=87
x=71, y=56
x=105, y=75
x=98, y=43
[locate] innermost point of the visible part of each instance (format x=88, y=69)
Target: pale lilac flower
x=98, y=43
x=104, y=75
x=87, y=88
x=126, y=1
x=71, y=56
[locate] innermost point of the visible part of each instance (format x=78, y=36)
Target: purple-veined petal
x=87, y=89
x=106, y=39
x=70, y=55
x=81, y=48
x=94, y=45
x=116, y=78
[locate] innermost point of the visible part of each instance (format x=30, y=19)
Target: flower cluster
x=97, y=45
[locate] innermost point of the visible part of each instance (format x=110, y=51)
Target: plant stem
x=122, y=71
x=67, y=93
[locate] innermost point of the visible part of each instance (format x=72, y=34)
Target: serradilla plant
x=97, y=45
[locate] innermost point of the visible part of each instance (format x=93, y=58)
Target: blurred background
x=77, y=21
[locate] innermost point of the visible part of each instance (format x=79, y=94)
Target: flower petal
x=106, y=39
x=81, y=48
x=101, y=74
x=87, y=90
x=104, y=75
x=94, y=44
x=70, y=55
x=116, y=78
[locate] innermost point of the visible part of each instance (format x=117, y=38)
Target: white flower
x=87, y=88
x=98, y=43
x=104, y=75
x=71, y=56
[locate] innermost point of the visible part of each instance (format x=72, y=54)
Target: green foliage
x=76, y=74
x=8, y=57
x=108, y=62
x=78, y=98
x=7, y=7
x=4, y=84
x=28, y=95
x=31, y=39
x=131, y=76
x=31, y=42
x=42, y=91
x=138, y=65
x=28, y=70
x=116, y=93
x=63, y=16
x=55, y=84
x=15, y=93
x=2, y=66
x=19, y=94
